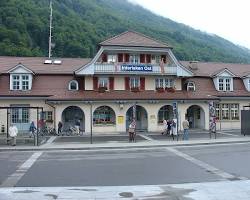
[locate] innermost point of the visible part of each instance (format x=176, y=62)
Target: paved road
x=126, y=167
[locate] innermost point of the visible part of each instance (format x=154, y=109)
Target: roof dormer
x=223, y=80
x=20, y=78
x=246, y=81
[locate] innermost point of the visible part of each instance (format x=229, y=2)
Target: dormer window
x=73, y=85
x=191, y=86
x=225, y=84
x=20, y=82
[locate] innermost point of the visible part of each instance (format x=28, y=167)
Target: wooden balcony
x=149, y=69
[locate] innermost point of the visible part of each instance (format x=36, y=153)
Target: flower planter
x=135, y=90
x=170, y=89
x=102, y=89
x=160, y=90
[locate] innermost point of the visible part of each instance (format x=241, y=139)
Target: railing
x=116, y=68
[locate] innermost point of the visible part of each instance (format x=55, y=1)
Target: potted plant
x=170, y=89
x=160, y=89
x=102, y=89
x=135, y=89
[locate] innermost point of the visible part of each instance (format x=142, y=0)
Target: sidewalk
x=146, y=142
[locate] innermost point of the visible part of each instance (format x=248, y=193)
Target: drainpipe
x=54, y=113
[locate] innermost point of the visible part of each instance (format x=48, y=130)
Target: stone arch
x=141, y=118
x=196, y=117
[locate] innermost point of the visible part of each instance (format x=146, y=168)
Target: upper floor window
x=73, y=85
x=134, y=82
x=134, y=59
x=191, y=86
x=103, y=82
x=111, y=58
x=248, y=84
x=20, y=82
x=164, y=83
x=225, y=84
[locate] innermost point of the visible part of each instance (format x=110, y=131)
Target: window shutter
x=120, y=57
x=95, y=83
x=127, y=87
x=148, y=58
x=104, y=57
x=164, y=57
x=111, y=83
x=142, y=58
x=126, y=57
x=142, y=83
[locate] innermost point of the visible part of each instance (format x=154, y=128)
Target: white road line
x=204, y=165
x=146, y=137
x=12, y=180
x=223, y=133
x=51, y=140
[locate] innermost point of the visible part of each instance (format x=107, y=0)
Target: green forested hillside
x=79, y=25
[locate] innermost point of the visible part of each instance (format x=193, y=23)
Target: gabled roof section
x=223, y=72
x=20, y=68
x=133, y=39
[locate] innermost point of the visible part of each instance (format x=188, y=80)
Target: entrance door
x=196, y=117
x=141, y=118
x=70, y=115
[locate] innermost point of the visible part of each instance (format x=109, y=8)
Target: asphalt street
x=127, y=167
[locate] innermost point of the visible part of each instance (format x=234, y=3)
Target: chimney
x=193, y=65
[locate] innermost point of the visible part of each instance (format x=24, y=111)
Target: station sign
x=137, y=68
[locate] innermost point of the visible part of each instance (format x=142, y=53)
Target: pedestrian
x=77, y=126
x=165, y=127
x=13, y=131
x=185, y=125
x=32, y=129
x=169, y=124
x=131, y=131
x=174, y=128
x=59, y=130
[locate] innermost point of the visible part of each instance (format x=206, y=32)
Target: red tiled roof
x=210, y=68
x=133, y=39
x=36, y=64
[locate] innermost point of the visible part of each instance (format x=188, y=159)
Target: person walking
x=174, y=128
x=165, y=127
x=169, y=124
x=59, y=130
x=131, y=131
x=185, y=125
x=13, y=131
x=32, y=129
x=77, y=126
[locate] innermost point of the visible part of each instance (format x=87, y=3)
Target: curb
x=205, y=143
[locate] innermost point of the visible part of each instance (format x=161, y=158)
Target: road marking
x=223, y=133
x=12, y=180
x=210, y=168
x=146, y=137
x=51, y=140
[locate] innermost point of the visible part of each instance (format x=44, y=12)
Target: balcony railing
x=150, y=69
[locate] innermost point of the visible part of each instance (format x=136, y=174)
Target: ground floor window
x=165, y=113
x=48, y=116
x=227, y=111
x=104, y=115
x=19, y=115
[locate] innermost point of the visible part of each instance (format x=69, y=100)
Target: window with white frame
x=169, y=82
x=234, y=111
x=48, y=116
x=159, y=83
x=20, y=81
x=111, y=58
x=19, y=115
x=191, y=86
x=225, y=84
x=134, y=82
x=103, y=82
x=227, y=111
x=73, y=85
x=164, y=83
x=134, y=59
x=249, y=84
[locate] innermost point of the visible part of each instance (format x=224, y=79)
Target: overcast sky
x=229, y=19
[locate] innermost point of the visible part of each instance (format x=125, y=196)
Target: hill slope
x=79, y=25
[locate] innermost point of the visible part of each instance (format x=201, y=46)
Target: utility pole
x=50, y=28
